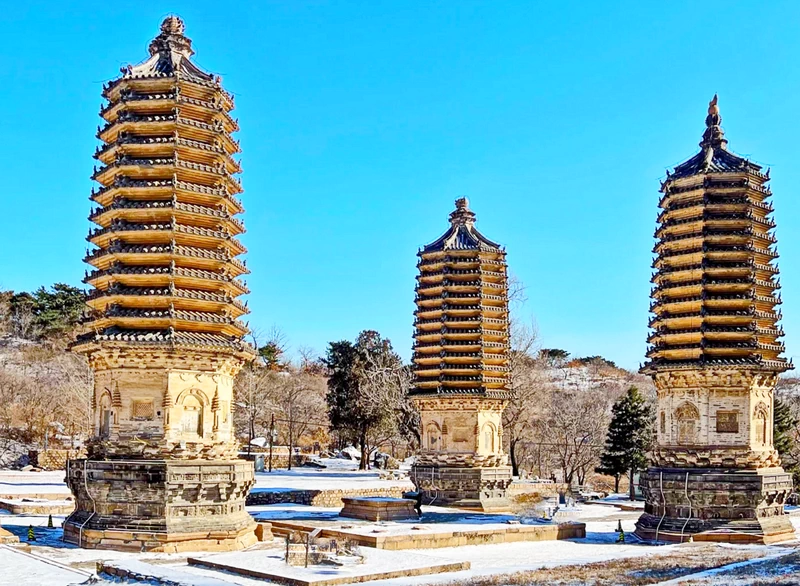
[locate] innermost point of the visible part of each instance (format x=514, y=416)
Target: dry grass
x=782, y=571
x=636, y=571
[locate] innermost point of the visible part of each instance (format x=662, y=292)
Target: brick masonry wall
x=55, y=459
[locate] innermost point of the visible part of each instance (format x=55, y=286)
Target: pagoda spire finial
x=172, y=38
x=462, y=216
x=713, y=137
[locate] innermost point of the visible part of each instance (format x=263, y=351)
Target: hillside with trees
x=44, y=390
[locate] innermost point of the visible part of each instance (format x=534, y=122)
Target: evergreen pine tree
x=49, y=521
x=31, y=534
x=783, y=427
x=629, y=437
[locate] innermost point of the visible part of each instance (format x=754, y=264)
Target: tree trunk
x=616, y=483
x=291, y=445
x=251, y=432
x=632, y=491
x=362, y=440
x=512, y=452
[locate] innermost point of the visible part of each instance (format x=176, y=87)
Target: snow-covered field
x=339, y=474
x=51, y=562
x=16, y=482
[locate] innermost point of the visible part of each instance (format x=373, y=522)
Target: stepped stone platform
x=431, y=535
x=26, y=506
x=379, y=509
x=269, y=564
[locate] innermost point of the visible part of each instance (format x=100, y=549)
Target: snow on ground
x=288, y=511
x=17, y=482
x=21, y=569
x=339, y=474
x=376, y=561
x=622, y=499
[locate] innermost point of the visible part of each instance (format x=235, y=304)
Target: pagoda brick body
x=461, y=375
x=164, y=337
x=715, y=354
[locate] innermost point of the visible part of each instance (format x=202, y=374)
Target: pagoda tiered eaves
x=165, y=248
x=714, y=299
x=461, y=340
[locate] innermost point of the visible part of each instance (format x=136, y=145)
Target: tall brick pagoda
x=461, y=375
x=164, y=338
x=715, y=353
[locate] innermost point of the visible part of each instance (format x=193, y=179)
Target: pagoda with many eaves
x=461, y=374
x=715, y=353
x=164, y=336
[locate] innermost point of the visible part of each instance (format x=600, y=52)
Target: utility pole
x=271, y=438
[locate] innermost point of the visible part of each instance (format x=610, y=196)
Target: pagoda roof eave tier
x=161, y=189
x=180, y=320
x=777, y=366
x=113, y=90
x=715, y=160
x=164, y=234
x=164, y=297
x=721, y=189
x=160, y=276
x=165, y=210
x=158, y=255
x=167, y=124
x=154, y=147
x=149, y=103
x=163, y=340
x=166, y=169
x=705, y=203
x=504, y=394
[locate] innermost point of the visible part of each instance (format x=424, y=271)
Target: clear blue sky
x=363, y=121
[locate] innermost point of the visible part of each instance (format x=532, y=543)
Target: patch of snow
x=376, y=561
x=174, y=577
x=21, y=569
x=17, y=482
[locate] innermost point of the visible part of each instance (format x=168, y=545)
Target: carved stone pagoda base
x=483, y=489
x=160, y=505
x=713, y=504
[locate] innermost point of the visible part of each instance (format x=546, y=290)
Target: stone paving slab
x=378, y=565
x=397, y=536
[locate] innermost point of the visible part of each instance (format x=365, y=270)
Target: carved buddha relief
x=688, y=421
